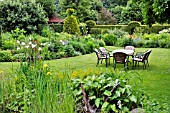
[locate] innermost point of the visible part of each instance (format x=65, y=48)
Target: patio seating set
x=122, y=56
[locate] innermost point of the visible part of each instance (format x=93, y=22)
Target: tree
x=106, y=17
x=23, y=15
x=131, y=12
x=49, y=6
x=155, y=11
x=85, y=9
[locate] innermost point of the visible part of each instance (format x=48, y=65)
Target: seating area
x=122, y=56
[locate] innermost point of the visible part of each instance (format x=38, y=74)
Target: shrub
x=5, y=56
x=101, y=43
x=109, y=93
x=90, y=24
x=8, y=44
x=162, y=43
x=118, y=32
x=83, y=29
x=71, y=24
x=69, y=50
x=151, y=44
x=132, y=25
x=122, y=42
x=78, y=46
x=110, y=39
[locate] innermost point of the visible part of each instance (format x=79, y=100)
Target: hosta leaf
x=126, y=100
x=133, y=98
x=97, y=102
x=118, y=93
x=105, y=105
x=92, y=97
x=113, y=107
x=107, y=93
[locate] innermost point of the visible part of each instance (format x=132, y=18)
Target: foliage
x=131, y=12
x=106, y=17
x=5, y=56
x=23, y=15
x=90, y=24
x=69, y=50
x=132, y=25
x=116, y=11
x=109, y=92
x=83, y=28
x=84, y=8
x=71, y=25
x=110, y=39
x=18, y=34
x=48, y=6
x=155, y=11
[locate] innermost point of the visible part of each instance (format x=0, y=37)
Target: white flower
x=18, y=41
x=18, y=48
x=30, y=43
x=23, y=43
x=60, y=41
x=27, y=46
x=39, y=48
x=30, y=39
x=34, y=45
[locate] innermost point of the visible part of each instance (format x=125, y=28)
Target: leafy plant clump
x=108, y=93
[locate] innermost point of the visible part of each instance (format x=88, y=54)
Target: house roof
x=55, y=19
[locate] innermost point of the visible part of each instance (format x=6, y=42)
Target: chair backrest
x=146, y=54
x=130, y=48
x=103, y=50
x=119, y=57
x=97, y=53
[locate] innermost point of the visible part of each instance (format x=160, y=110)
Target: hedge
x=144, y=28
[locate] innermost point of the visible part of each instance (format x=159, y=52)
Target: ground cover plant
x=155, y=78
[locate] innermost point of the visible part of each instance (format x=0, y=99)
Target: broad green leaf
x=113, y=107
x=133, y=98
x=105, y=105
x=118, y=93
x=92, y=97
x=97, y=102
x=107, y=93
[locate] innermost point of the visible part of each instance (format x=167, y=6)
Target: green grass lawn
x=156, y=78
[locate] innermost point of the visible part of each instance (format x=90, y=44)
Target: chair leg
x=148, y=63
x=106, y=62
x=114, y=66
x=97, y=63
x=132, y=64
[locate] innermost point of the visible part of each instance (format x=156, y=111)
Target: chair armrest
x=139, y=54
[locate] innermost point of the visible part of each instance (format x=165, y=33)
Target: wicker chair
x=104, y=51
x=142, y=57
x=100, y=57
x=120, y=57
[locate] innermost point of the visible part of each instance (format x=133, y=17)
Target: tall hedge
x=23, y=15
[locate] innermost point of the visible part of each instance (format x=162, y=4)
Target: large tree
x=155, y=11
x=49, y=6
x=131, y=12
x=84, y=9
x=24, y=15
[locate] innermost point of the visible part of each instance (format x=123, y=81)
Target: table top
x=128, y=52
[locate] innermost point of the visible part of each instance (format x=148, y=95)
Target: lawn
x=156, y=78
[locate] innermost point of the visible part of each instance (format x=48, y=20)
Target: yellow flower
x=48, y=73
x=45, y=65
x=1, y=72
x=60, y=75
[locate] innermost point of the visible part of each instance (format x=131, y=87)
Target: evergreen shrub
x=109, y=39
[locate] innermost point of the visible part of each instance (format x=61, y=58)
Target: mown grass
x=156, y=78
